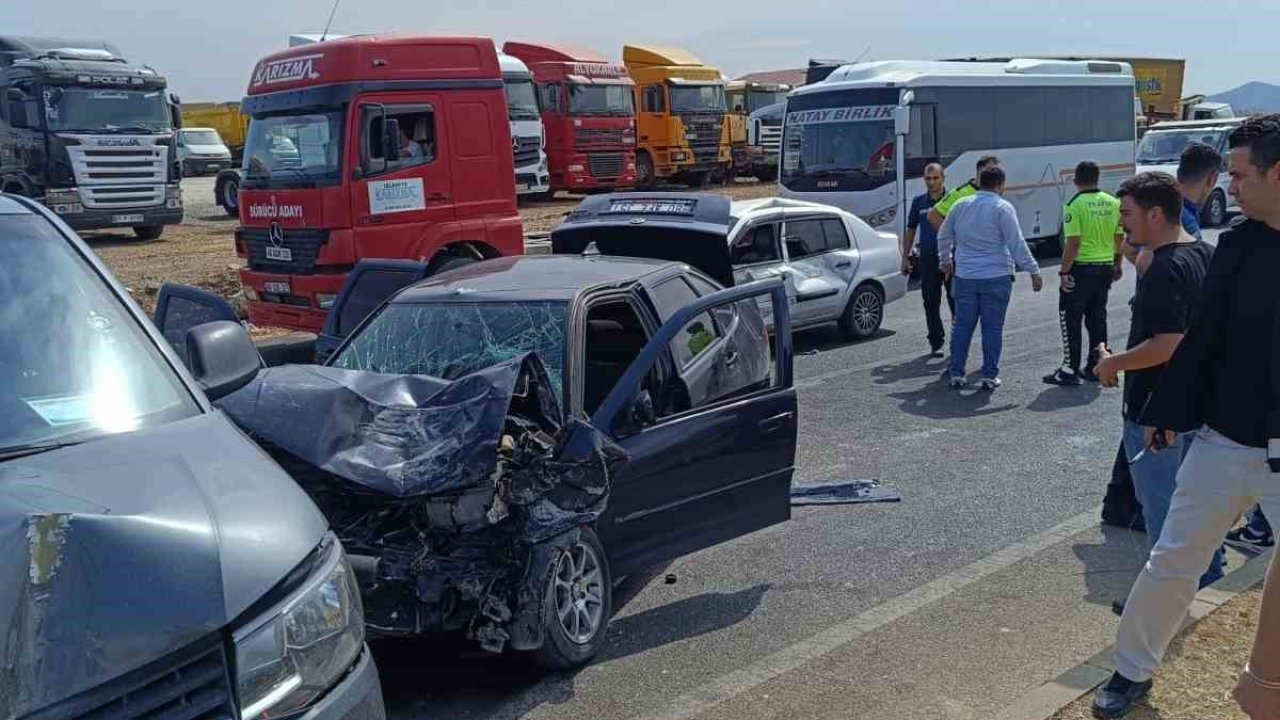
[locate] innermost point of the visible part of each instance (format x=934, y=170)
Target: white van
x=1162, y=146
x=201, y=151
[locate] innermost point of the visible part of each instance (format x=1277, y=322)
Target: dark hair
x=1198, y=161
x=1261, y=134
x=1155, y=190
x=986, y=160
x=1087, y=173
x=991, y=178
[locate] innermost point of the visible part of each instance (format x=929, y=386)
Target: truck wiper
x=838, y=171
x=307, y=180
x=21, y=451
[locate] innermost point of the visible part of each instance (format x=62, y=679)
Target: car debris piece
x=844, y=493
x=454, y=499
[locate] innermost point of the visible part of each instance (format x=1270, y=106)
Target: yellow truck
x=752, y=156
x=680, y=116
x=225, y=117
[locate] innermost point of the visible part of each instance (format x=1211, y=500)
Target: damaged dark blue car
x=498, y=446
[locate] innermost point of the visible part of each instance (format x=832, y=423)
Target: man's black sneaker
x=935, y=349
x=1245, y=539
x=1062, y=376
x=1117, y=697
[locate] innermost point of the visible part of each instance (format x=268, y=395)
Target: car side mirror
x=221, y=357
x=642, y=412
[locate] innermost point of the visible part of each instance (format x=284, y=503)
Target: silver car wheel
x=579, y=593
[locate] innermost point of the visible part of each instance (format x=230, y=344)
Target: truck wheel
x=696, y=179
x=864, y=313
x=148, y=232
x=1215, y=210
x=229, y=196
x=644, y=171
x=769, y=175
x=445, y=263
x=578, y=603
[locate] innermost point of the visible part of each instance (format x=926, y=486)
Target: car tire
x=644, y=171
x=445, y=263
x=229, y=196
x=574, y=624
x=1215, y=210
x=864, y=313
x=148, y=232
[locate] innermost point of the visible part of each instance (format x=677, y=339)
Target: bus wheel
x=644, y=171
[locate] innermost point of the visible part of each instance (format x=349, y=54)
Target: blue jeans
x=1155, y=477
x=986, y=301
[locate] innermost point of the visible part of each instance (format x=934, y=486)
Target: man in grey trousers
x=1223, y=383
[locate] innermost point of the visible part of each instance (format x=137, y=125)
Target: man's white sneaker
x=958, y=382
x=990, y=384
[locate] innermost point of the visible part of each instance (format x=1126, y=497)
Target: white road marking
x=794, y=656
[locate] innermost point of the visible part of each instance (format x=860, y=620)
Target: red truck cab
x=371, y=147
x=588, y=111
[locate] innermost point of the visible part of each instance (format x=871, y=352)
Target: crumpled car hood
x=119, y=551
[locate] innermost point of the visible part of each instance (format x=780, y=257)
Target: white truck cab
x=528, y=141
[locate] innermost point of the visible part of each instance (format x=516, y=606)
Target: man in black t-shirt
x=1223, y=383
x=1166, y=298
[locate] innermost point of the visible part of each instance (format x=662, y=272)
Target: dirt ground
x=201, y=251
x=1199, y=671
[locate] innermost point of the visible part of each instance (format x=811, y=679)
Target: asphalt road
x=988, y=579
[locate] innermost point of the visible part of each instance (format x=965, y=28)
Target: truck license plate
x=283, y=254
x=280, y=288
x=211, y=167
x=126, y=219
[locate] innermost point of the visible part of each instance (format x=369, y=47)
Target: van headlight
x=301, y=648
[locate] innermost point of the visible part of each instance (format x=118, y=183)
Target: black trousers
x=1086, y=304
x=931, y=287
x=1121, y=507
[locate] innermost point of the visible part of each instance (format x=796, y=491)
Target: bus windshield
x=697, y=98
x=838, y=142
x=1164, y=147
x=293, y=150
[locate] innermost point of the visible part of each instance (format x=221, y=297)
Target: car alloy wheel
x=579, y=593
x=865, y=312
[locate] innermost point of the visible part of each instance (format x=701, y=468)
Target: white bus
x=860, y=139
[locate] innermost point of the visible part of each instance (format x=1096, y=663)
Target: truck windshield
x=697, y=98
x=293, y=150
x=838, y=141
x=69, y=109
x=1162, y=147
x=449, y=340
x=601, y=100
x=74, y=364
x=522, y=100
x=201, y=137
x=757, y=99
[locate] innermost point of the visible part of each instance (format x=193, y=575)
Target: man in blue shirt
x=931, y=281
x=978, y=242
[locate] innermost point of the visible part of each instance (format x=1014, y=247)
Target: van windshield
x=1163, y=147
x=74, y=364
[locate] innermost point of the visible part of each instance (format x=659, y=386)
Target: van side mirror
x=902, y=120
x=221, y=357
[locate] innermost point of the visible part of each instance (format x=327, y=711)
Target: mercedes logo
x=275, y=234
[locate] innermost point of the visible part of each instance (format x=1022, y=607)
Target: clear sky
x=208, y=48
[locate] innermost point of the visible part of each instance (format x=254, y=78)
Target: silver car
x=836, y=268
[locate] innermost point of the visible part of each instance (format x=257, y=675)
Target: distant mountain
x=1252, y=97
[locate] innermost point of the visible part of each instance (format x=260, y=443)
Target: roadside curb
x=1042, y=702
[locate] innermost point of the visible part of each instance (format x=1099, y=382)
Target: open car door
x=369, y=284
x=707, y=412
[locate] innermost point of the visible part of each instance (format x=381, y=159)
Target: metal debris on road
x=844, y=493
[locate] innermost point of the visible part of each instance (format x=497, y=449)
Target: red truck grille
x=302, y=245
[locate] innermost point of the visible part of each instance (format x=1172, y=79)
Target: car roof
x=534, y=277
x=11, y=206
x=742, y=208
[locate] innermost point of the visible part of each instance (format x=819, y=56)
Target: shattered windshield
x=449, y=340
